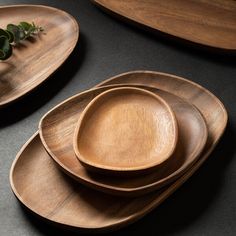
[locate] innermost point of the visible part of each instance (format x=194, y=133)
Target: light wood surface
x=33, y=174
x=34, y=60
x=206, y=22
x=125, y=131
x=58, y=125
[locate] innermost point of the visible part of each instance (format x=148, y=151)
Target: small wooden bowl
x=125, y=131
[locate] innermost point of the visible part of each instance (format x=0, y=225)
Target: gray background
x=206, y=204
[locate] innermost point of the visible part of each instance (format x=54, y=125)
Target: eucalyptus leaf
x=6, y=34
x=15, y=30
x=25, y=25
x=11, y=36
x=31, y=31
x=5, y=47
x=15, y=34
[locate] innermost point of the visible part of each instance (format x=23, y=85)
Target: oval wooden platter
x=205, y=22
x=58, y=125
x=125, y=131
x=46, y=191
x=74, y=206
x=34, y=60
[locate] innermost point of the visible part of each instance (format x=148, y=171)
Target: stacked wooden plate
x=125, y=146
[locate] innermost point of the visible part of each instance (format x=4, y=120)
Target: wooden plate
x=125, y=131
x=208, y=22
x=33, y=61
x=58, y=125
x=46, y=191
x=75, y=206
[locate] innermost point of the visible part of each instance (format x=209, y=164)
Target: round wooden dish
x=125, y=131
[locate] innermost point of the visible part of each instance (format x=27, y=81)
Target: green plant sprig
x=13, y=34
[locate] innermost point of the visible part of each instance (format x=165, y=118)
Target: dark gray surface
x=206, y=204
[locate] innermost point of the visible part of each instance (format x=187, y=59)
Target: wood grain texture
x=74, y=206
x=48, y=193
x=34, y=60
x=58, y=125
x=125, y=131
x=206, y=22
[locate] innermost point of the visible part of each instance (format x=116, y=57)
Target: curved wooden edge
x=14, y=163
x=164, y=195
x=169, y=76
x=106, y=228
x=76, y=25
x=133, y=170
x=138, y=23
x=47, y=220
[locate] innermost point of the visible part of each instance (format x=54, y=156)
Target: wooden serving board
x=42, y=188
x=34, y=60
x=205, y=22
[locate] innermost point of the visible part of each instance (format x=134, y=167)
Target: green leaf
x=5, y=48
x=11, y=38
x=15, y=30
x=30, y=31
x=6, y=34
x=25, y=25
x=14, y=34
